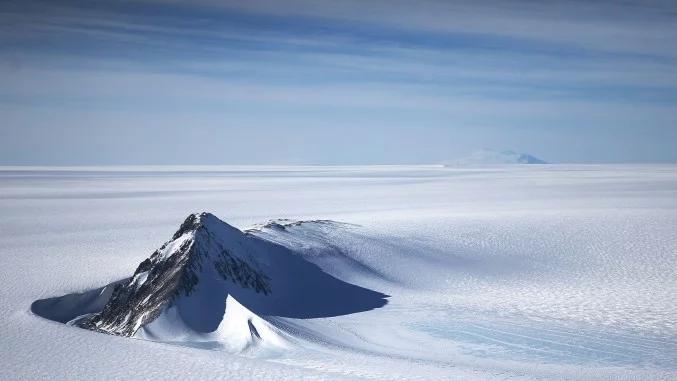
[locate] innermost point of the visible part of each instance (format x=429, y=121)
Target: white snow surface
x=240, y=331
x=551, y=272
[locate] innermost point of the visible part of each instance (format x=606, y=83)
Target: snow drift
x=212, y=284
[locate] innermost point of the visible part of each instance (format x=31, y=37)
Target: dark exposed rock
x=171, y=272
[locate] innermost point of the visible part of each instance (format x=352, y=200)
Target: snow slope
x=490, y=157
x=517, y=272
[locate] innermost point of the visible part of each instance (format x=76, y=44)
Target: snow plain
x=551, y=272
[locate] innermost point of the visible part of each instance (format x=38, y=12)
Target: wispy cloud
x=626, y=26
x=475, y=61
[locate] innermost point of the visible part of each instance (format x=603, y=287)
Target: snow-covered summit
x=189, y=278
x=490, y=157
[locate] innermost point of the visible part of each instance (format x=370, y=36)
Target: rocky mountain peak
x=203, y=250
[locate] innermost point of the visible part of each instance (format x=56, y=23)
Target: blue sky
x=335, y=82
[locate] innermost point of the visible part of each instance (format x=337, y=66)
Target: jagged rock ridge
x=202, y=245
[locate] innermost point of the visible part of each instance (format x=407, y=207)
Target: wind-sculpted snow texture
x=552, y=272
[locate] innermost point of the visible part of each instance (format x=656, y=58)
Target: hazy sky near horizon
x=336, y=82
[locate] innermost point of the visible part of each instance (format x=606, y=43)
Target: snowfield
x=549, y=272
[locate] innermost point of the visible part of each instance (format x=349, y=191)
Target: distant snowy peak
x=489, y=157
x=189, y=277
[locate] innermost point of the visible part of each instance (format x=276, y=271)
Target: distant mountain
x=489, y=157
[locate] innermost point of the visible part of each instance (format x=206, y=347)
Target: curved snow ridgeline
x=214, y=285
